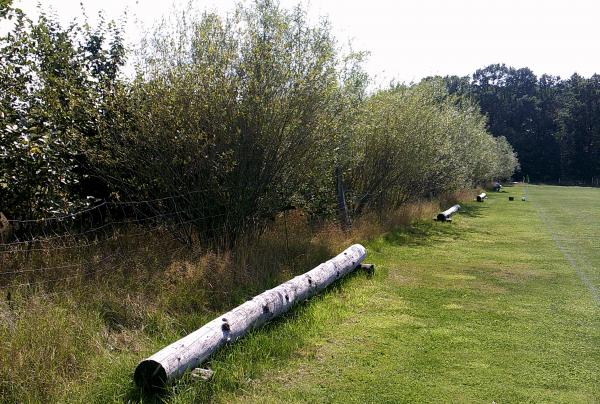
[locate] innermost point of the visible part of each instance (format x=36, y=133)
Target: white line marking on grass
x=582, y=275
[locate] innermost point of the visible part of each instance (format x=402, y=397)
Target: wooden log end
x=150, y=375
x=368, y=268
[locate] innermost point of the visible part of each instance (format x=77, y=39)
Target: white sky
x=409, y=40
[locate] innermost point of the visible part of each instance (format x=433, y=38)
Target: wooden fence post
x=5, y=228
x=341, y=200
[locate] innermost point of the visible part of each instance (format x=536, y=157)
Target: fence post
x=341, y=200
x=5, y=228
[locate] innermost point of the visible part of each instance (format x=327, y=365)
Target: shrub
x=56, y=90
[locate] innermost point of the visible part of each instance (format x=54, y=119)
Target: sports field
x=499, y=305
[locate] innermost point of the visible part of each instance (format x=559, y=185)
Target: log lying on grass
x=481, y=197
x=446, y=215
x=190, y=351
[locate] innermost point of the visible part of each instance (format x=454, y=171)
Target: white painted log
x=447, y=214
x=481, y=197
x=190, y=351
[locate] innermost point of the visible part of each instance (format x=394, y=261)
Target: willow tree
x=56, y=89
x=238, y=108
x=416, y=141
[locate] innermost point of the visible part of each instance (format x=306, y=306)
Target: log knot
x=225, y=326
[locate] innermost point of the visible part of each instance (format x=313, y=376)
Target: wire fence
x=57, y=251
x=110, y=213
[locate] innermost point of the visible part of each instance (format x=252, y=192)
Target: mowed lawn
x=499, y=305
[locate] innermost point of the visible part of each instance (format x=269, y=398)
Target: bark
x=190, y=351
x=447, y=214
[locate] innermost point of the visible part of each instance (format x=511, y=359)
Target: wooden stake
x=341, y=200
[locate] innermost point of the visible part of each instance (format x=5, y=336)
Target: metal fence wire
x=57, y=251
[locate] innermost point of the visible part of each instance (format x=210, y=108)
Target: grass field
x=500, y=305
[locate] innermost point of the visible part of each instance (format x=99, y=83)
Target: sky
x=409, y=40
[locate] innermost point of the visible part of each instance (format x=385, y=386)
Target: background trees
x=579, y=128
x=550, y=122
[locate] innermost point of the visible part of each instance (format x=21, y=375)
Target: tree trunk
x=447, y=214
x=190, y=351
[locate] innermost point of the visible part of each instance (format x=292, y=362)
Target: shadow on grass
x=234, y=364
x=472, y=209
x=428, y=232
x=138, y=395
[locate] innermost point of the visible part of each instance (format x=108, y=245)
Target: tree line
x=552, y=123
x=246, y=115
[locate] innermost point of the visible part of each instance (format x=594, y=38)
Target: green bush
x=244, y=115
x=418, y=141
x=56, y=90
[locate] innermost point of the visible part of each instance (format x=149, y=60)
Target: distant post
x=341, y=200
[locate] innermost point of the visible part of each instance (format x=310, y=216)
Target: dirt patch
x=457, y=277
x=514, y=275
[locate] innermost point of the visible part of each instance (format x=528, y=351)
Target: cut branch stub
x=190, y=351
